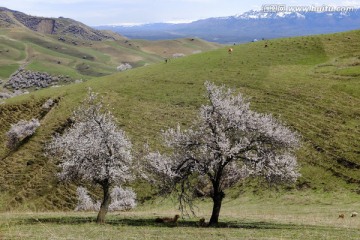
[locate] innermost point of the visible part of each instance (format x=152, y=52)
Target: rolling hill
x=70, y=50
x=311, y=83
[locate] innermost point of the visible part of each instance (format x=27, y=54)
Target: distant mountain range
x=247, y=26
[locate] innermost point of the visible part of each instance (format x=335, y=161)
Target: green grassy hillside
x=310, y=83
x=84, y=59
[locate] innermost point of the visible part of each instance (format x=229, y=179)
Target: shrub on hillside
x=20, y=131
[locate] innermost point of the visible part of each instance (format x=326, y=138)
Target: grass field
x=271, y=218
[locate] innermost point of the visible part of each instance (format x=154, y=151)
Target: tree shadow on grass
x=150, y=222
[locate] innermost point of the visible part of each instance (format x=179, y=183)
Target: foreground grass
x=240, y=219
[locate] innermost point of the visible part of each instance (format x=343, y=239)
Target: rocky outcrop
x=27, y=21
x=23, y=79
x=5, y=20
x=5, y=95
x=59, y=26
x=82, y=32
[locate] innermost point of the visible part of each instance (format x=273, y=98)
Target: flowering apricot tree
x=93, y=149
x=227, y=143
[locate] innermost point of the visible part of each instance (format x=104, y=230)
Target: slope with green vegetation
x=62, y=46
x=88, y=59
x=311, y=83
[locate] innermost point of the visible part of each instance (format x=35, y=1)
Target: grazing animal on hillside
x=354, y=214
x=167, y=219
x=230, y=50
x=341, y=216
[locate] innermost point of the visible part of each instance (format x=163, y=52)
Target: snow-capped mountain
x=249, y=26
x=269, y=15
x=296, y=15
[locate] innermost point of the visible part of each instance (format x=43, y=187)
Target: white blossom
x=93, y=150
x=122, y=199
x=228, y=142
x=20, y=131
x=85, y=203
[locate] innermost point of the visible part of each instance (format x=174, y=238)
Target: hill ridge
x=55, y=26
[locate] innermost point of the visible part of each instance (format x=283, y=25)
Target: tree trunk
x=217, y=199
x=105, y=203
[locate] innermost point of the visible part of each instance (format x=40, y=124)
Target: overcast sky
x=103, y=12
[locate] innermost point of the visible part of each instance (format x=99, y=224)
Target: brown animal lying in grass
x=341, y=216
x=202, y=223
x=167, y=219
